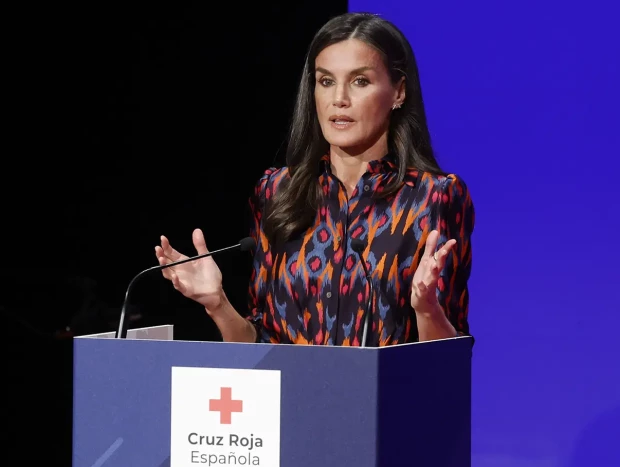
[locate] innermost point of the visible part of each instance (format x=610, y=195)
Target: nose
x=341, y=97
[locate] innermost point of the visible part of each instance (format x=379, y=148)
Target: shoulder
x=269, y=180
x=451, y=195
x=454, y=191
x=450, y=186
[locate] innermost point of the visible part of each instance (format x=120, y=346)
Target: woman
x=360, y=171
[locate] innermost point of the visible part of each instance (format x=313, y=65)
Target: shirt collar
x=385, y=165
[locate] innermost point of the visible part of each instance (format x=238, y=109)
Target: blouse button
x=329, y=295
x=366, y=187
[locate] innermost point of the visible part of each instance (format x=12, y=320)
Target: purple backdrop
x=524, y=102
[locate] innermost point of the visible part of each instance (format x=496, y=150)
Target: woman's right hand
x=199, y=280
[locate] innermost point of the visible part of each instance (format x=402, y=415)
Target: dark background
x=127, y=121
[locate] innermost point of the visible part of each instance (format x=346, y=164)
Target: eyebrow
x=353, y=72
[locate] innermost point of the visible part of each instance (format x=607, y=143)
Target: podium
x=152, y=401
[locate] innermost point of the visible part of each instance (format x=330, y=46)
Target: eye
x=361, y=81
x=325, y=81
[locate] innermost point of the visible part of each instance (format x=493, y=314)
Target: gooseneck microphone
x=358, y=246
x=245, y=244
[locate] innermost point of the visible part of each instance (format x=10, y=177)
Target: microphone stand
x=368, y=310
x=121, y=333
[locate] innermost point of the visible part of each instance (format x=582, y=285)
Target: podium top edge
x=99, y=336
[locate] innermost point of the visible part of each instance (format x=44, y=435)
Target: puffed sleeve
x=261, y=255
x=455, y=220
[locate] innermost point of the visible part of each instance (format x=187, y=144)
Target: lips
x=341, y=122
x=341, y=119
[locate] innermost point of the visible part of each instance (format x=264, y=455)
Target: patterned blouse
x=314, y=291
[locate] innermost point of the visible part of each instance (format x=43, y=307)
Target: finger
x=177, y=283
x=171, y=253
x=430, y=276
x=159, y=253
x=167, y=273
x=429, y=271
x=423, y=290
x=161, y=256
x=199, y=242
x=443, y=253
x=431, y=243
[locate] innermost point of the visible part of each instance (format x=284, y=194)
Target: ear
x=400, y=94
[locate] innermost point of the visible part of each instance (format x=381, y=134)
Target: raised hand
x=424, y=285
x=199, y=280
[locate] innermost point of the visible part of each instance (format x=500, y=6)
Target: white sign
x=225, y=417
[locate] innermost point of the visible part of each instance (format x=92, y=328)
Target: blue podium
x=152, y=401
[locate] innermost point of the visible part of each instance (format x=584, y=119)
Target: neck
x=349, y=166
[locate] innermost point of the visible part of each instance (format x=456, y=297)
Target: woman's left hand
x=424, y=285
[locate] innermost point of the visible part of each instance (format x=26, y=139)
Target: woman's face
x=354, y=95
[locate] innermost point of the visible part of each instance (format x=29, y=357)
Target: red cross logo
x=225, y=405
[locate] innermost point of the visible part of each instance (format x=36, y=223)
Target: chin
x=344, y=140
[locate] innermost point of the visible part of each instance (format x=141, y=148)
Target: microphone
x=245, y=244
x=359, y=246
